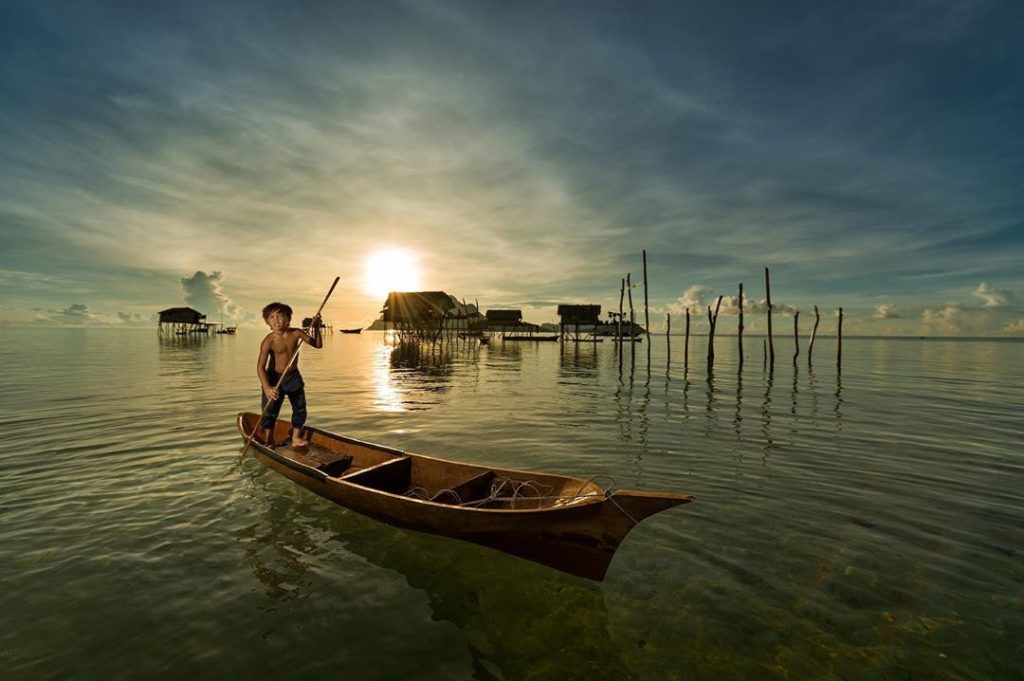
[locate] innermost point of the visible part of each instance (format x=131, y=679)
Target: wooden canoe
x=567, y=523
x=359, y=330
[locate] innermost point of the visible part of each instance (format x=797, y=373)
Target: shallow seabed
x=867, y=525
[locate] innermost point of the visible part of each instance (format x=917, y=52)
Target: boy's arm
x=316, y=340
x=261, y=369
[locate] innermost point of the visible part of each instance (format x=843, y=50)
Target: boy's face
x=278, y=321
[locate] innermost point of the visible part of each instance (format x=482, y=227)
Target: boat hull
x=579, y=536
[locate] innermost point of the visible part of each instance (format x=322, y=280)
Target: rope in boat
x=507, y=489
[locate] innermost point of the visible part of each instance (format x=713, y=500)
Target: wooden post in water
x=839, y=342
x=713, y=321
x=739, y=334
x=622, y=294
x=796, y=334
x=647, y=317
x=686, y=343
x=668, y=336
x=814, y=331
x=764, y=354
x=632, y=313
x=771, y=346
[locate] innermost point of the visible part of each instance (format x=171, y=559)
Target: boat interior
x=425, y=478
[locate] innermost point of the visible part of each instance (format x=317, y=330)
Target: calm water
x=862, y=527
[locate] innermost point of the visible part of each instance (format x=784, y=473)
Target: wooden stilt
x=686, y=343
x=647, y=314
x=739, y=333
x=632, y=313
x=668, y=338
x=622, y=294
x=796, y=334
x=839, y=342
x=768, y=300
x=713, y=322
x=814, y=331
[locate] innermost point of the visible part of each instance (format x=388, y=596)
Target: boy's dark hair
x=276, y=307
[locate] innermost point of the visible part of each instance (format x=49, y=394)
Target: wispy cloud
x=993, y=297
x=886, y=311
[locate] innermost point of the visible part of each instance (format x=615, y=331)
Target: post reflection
x=737, y=420
x=409, y=375
x=576, y=360
x=766, y=418
x=839, y=401
x=710, y=417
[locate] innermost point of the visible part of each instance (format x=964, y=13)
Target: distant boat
x=567, y=523
x=530, y=338
x=359, y=330
x=229, y=331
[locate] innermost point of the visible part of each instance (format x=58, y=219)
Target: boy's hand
x=270, y=392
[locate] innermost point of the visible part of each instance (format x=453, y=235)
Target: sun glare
x=390, y=270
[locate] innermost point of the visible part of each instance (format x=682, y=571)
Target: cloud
x=692, y=299
x=1015, y=327
x=698, y=298
x=993, y=297
x=205, y=292
x=886, y=311
x=76, y=313
x=137, y=319
x=948, y=318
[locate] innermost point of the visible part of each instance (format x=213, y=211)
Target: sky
x=521, y=154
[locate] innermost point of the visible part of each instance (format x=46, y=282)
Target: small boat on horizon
x=530, y=338
x=567, y=523
x=228, y=331
x=359, y=330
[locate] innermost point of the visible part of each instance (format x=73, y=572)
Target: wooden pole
x=768, y=297
x=739, y=334
x=764, y=354
x=814, y=331
x=647, y=315
x=713, y=321
x=839, y=342
x=686, y=343
x=632, y=313
x=622, y=294
x=796, y=334
x=668, y=336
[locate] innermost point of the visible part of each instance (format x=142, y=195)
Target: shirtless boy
x=276, y=351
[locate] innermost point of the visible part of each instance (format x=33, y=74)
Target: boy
x=276, y=351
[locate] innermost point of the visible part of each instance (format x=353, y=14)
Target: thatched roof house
x=504, y=318
x=181, y=315
x=419, y=307
x=580, y=314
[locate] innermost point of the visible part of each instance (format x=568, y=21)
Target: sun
x=390, y=270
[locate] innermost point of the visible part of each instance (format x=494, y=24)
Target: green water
x=867, y=525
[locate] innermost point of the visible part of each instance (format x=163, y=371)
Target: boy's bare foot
x=297, y=439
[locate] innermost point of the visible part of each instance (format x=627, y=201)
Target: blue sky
x=228, y=154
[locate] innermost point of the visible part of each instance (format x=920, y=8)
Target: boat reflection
x=508, y=610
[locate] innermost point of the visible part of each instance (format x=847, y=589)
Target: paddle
x=280, y=380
